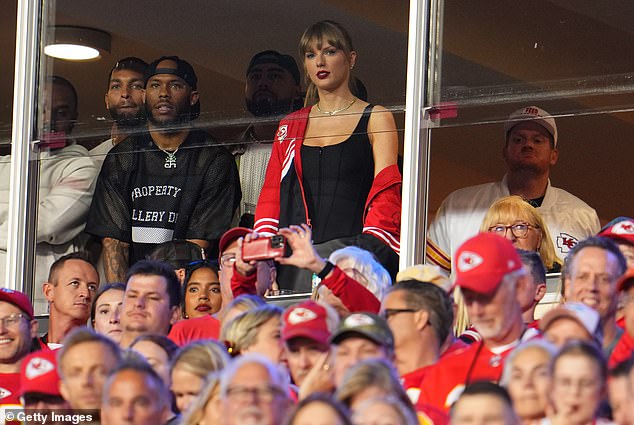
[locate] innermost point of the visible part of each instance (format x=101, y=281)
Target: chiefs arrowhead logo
x=468, y=261
x=282, y=132
x=4, y=393
x=38, y=366
x=566, y=242
x=625, y=227
x=355, y=320
x=301, y=315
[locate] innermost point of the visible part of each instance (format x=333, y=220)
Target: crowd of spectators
x=186, y=326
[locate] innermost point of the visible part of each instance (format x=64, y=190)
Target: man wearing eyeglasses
x=17, y=331
x=420, y=315
x=530, y=151
x=490, y=275
x=254, y=390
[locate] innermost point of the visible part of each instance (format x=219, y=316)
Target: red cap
x=308, y=320
x=230, y=236
x=38, y=373
x=622, y=231
x=626, y=281
x=18, y=299
x=482, y=262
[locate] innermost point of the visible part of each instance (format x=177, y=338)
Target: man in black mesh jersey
x=170, y=183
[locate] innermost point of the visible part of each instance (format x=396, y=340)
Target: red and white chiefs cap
x=535, y=114
x=18, y=299
x=482, y=262
x=621, y=231
x=308, y=320
x=38, y=374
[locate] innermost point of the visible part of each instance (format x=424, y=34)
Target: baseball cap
x=38, y=373
x=230, y=236
x=482, y=262
x=18, y=299
x=532, y=113
x=367, y=325
x=429, y=273
x=626, y=281
x=586, y=316
x=271, y=56
x=308, y=320
x=620, y=231
x=183, y=70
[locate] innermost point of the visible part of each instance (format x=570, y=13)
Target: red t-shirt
x=185, y=331
x=622, y=351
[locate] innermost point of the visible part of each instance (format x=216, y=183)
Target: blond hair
x=511, y=208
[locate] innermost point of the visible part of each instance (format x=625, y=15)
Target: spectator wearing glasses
x=490, y=274
x=18, y=329
x=530, y=151
x=420, y=316
x=590, y=275
x=521, y=223
x=254, y=390
x=577, y=385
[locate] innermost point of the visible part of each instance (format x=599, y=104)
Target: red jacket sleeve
x=351, y=293
x=382, y=217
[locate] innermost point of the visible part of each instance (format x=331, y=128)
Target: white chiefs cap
x=532, y=113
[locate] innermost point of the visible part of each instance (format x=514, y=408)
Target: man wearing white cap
x=490, y=275
x=530, y=151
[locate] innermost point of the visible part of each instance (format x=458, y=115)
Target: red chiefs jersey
x=445, y=380
x=9, y=389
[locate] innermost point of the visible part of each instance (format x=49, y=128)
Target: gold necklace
x=336, y=111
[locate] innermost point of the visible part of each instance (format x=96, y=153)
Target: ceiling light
x=77, y=43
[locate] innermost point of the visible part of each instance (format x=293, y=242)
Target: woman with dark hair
x=106, y=309
x=201, y=289
x=333, y=165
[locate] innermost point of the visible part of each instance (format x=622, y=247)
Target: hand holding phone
x=263, y=248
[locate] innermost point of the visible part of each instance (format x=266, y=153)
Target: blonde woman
x=255, y=331
x=515, y=219
x=190, y=367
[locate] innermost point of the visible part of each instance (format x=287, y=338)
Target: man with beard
x=491, y=276
x=530, y=151
x=272, y=90
x=124, y=101
x=170, y=183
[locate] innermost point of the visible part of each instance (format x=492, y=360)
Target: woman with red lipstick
x=334, y=163
x=201, y=290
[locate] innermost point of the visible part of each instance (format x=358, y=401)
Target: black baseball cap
x=271, y=56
